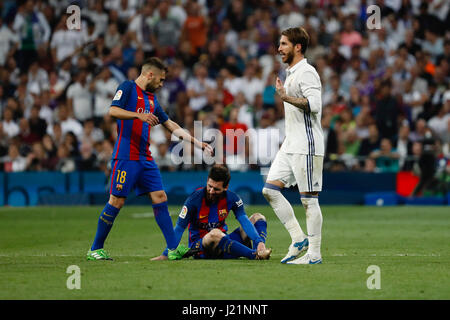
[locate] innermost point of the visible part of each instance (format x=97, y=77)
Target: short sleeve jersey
x=133, y=136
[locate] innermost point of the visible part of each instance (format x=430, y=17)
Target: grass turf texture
x=409, y=244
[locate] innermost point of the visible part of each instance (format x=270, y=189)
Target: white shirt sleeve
x=311, y=90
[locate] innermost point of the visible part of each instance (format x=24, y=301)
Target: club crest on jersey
x=152, y=104
x=222, y=213
x=183, y=212
x=119, y=187
x=118, y=95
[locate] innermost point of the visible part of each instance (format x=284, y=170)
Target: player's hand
x=261, y=247
x=206, y=147
x=159, y=258
x=280, y=88
x=149, y=118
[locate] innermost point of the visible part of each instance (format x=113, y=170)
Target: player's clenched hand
x=159, y=258
x=150, y=118
x=280, y=88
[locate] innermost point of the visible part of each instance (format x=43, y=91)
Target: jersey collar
x=295, y=66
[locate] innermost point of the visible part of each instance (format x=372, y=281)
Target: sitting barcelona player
x=205, y=212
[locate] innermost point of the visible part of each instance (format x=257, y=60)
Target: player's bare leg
x=310, y=201
x=285, y=212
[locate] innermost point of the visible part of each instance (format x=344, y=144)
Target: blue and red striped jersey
x=133, y=136
x=202, y=217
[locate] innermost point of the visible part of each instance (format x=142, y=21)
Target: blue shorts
x=217, y=254
x=142, y=175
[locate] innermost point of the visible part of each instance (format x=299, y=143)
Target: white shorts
x=302, y=170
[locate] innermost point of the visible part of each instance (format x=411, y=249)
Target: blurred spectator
x=33, y=30
x=65, y=43
x=419, y=132
x=103, y=87
x=386, y=112
x=195, y=28
x=236, y=141
x=264, y=141
x=163, y=158
x=65, y=162
x=439, y=124
x=37, y=125
x=197, y=86
x=79, y=98
x=404, y=146
x=66, y=123
x=9, y=42
x=166, y=29
x=87, y=160
x=10, y=127
x=427, y=165
x=14, y=162
x=386, y=157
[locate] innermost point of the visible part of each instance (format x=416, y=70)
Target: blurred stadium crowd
x=386, y=94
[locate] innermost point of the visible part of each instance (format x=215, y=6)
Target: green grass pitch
x=410, y=245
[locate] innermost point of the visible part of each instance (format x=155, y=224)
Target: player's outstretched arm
x=174, y=128
x=123, y=114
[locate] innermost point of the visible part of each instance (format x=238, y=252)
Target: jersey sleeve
x=237, y=205
x=122, y=94
x=310, y=86
x=159, y=112
x=187, y=212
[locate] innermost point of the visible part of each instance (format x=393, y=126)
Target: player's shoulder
x=127, y=84
x=197, y=194
x=234, y=198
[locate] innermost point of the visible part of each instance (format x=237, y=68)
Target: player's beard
x=213, y=198
x=289, y=56
x=150, y=87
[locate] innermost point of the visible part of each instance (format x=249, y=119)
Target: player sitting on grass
x=205, y=212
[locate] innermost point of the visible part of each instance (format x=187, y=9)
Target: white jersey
x=303, y=129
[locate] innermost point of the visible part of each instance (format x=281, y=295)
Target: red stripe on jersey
x=136, y=129
x=222, y=212
x=152, y=109
x=112, y=177
x=120, y=139
x=203, y=217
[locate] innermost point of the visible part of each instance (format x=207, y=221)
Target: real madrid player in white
x=300, y=158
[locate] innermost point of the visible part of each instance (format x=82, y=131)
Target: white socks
x=285, y=213
x=313, y=224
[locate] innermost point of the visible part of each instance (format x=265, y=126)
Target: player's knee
x=116, y=202
x=256, y=217
x=214, y=236
x=269, y=194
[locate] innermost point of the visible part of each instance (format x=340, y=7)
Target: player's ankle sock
x=284, y=211
x=313, y=223
x=162, y=217
x=105, y=222
x=261, y=228
x=233, y=247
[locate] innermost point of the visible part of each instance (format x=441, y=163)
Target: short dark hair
x=297, y=36
x=220, y=172
x=154, y=62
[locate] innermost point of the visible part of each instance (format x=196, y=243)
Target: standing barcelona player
x=205, y=211
x=137, y=110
